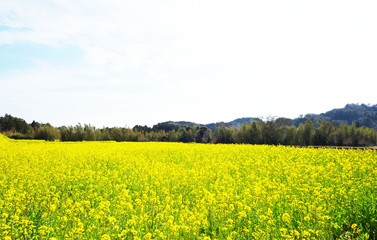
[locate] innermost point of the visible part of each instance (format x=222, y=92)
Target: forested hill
x=361, y=114
x=170, y=125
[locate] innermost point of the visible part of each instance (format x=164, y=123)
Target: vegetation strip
x=317, y=133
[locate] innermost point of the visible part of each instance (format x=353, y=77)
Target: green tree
x=308, y=132
x=48, y=133
x=224, y=135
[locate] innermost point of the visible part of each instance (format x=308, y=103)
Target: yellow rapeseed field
x=109, y=190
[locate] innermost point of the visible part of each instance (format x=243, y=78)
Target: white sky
x=121, y=63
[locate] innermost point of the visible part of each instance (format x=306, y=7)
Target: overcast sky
x=121, y=63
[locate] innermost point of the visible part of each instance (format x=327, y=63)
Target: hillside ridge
x=361, y=114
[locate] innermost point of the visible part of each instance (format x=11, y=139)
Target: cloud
x=175, y=58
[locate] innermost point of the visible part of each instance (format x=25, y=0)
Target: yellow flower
x=105, y=237
x=295, y=233
x=305, y=234
x=111, y=219
x=286, y=217
x=354, y=227
x=283, y=231
x=148, y=236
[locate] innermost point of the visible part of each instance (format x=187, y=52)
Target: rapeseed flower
x=109, y=190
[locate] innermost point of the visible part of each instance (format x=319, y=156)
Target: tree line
x=272, y=131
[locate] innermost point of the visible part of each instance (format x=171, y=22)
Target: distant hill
x=360, y=114
x=170, y=125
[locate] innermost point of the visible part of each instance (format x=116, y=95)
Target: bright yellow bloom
x=286, y=217
x=152, y=190
x=105, y=237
